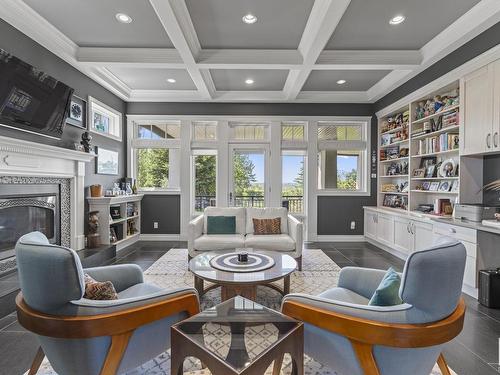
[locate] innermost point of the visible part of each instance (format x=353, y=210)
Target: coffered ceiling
x=295, y=51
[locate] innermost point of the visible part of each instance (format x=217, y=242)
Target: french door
x=248, y=175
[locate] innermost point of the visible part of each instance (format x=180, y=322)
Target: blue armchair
x=345, y=333
x=81, y=336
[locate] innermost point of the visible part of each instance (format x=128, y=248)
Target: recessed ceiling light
x=249, y=81
x=123, y=18
x=396, y=20
x=341, y=81
x=171, y=80
x=249, y=18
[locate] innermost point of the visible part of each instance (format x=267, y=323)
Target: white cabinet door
x=478, y=111
x=385, y=229
x=371, y=224
x=402, y=237
x=422, y=235
x=496, y=105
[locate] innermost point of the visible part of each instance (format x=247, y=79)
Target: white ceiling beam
x=166, y=96
x=324, y=18
x=332, y=97
x=157, y=57
x=386, y=83
x=174, y=17
x=249, y=96
x=368, y=60
x=249, y=59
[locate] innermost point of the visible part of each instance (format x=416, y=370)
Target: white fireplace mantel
x=24, y=158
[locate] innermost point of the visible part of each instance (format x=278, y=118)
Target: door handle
x=495, y=139
x=488, y=140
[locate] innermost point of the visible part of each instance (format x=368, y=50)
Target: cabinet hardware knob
x=453, y=230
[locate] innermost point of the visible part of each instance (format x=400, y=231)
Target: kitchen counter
x=467, y=224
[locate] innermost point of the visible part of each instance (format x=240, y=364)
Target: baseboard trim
x=159, y=237
x=339, y=238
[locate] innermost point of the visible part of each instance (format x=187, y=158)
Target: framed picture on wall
x=77, y=112
x=106, y=161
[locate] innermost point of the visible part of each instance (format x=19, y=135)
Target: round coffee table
x=239, y=282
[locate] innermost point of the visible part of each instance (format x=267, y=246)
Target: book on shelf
x=438, y=143
x=442, y=206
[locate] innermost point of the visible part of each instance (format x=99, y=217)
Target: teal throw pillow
x=221, y=224
x=387, y=293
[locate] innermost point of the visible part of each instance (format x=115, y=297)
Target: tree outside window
x=152, y=168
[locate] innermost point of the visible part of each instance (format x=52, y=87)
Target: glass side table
x=238, y=336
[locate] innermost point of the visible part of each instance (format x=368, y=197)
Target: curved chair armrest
x=195, y=230
x=363, y=281
x=107, y=323
x=295, y=229
x=369, y=331
x=122, y=276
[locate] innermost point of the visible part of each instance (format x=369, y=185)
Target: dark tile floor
x=473, y=352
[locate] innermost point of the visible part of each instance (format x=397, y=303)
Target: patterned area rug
x=170, y=271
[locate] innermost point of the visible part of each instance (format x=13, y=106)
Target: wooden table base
x=245, y=290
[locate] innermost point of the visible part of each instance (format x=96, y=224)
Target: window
x=205, y=130
x=343, y=157
x=248, y=132
x=152, y=168
x=327, y=132
x=158, y=131
x=155, y=155
x=292, y=187
x=104, y=120
x=292, y=132
x=204, y=179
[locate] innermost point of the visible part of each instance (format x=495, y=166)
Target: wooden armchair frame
x=120, y=325
x=364, y=334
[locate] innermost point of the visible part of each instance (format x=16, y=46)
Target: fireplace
x=27, y=208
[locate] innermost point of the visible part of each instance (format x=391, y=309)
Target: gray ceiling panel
x=93, y=22
x=154, y=79
x=234, y=79
x=365, y=24
x=280, y=23
x=356, y=80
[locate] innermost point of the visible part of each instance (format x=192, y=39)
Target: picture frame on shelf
x=405, y=187
x=447, y=168
x=426, y=185
x=455, y=186
x=77, y=113
x=427, y=161
x=444, y=186
x=419, y=172
x=434, y=186
x=115, y=212
x=429, y=171
x=107, y=161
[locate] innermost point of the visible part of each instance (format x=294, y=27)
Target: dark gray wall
x=481, y=43
x=328, y=223
x=165, y=209
x=15, y=42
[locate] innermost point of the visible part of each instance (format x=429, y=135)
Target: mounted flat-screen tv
x=30, y=99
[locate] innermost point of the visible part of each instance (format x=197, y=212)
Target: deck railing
x=294, y=203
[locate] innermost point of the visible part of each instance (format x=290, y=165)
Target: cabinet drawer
x=456, y=232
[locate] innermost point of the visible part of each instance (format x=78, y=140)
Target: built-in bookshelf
x=418, y=147
x=119, y=218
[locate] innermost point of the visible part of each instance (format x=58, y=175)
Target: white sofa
x=289, y=241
